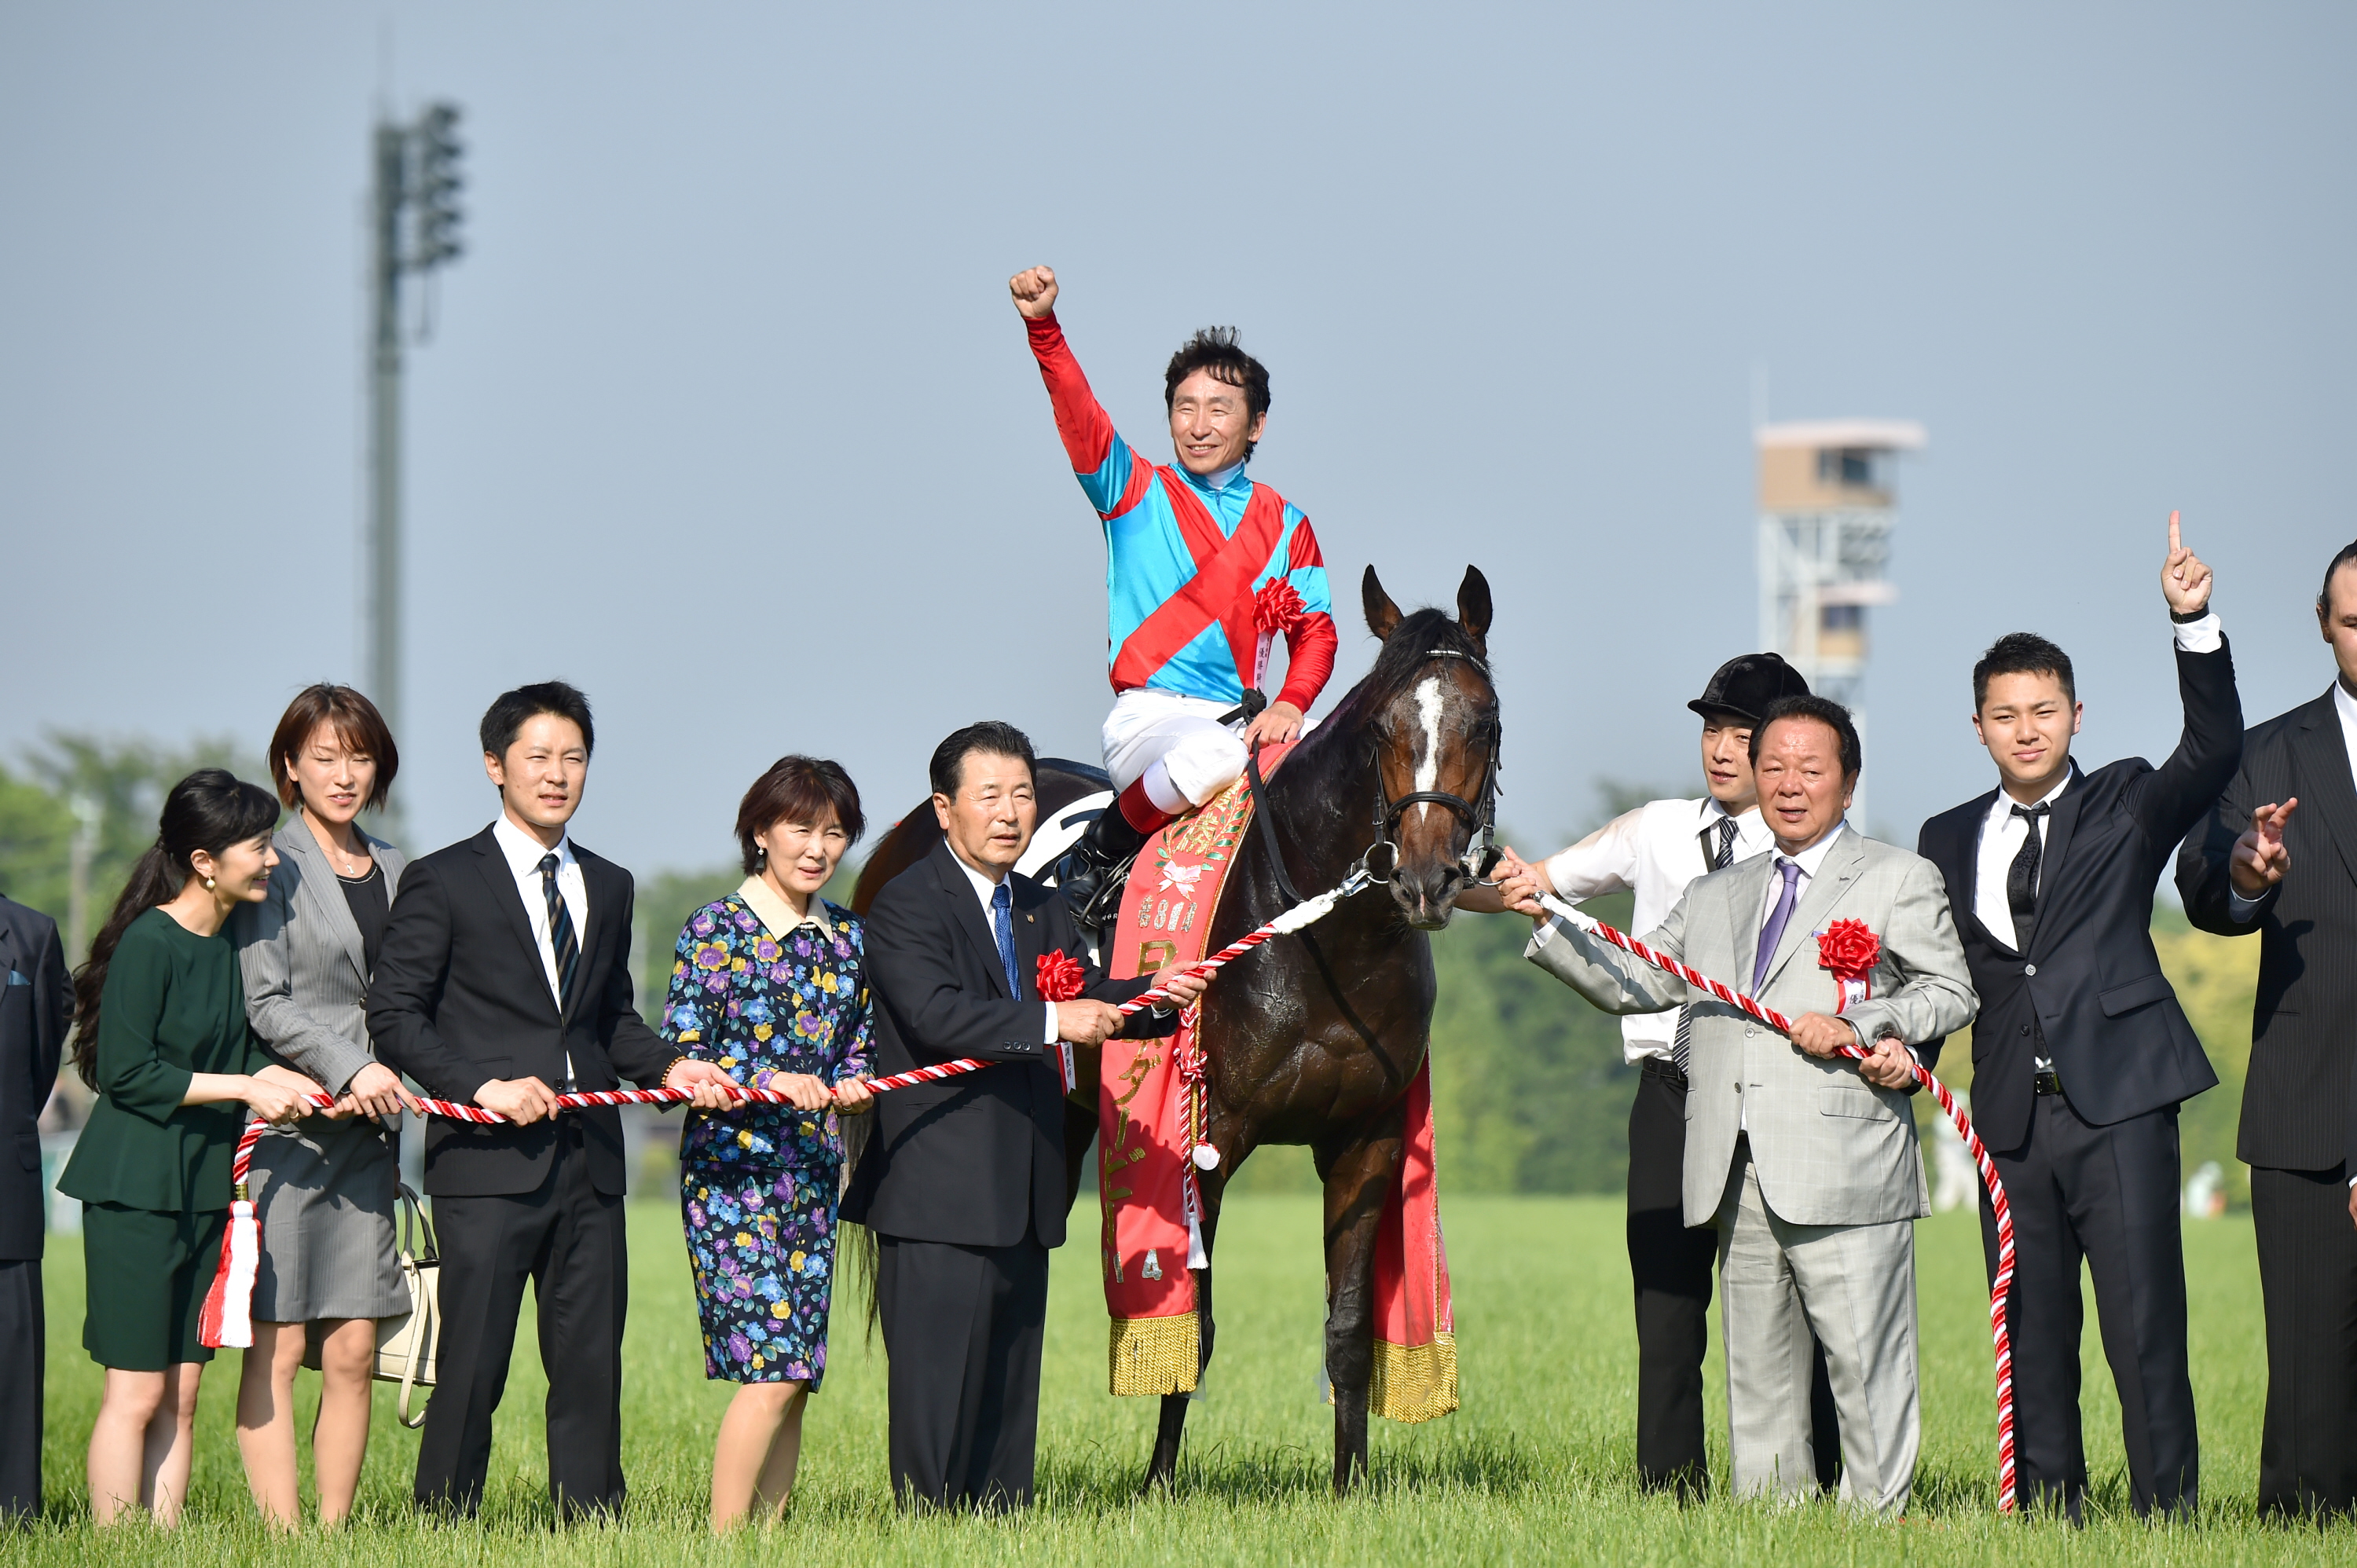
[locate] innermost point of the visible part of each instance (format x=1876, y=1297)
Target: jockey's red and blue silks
x=1183, y=561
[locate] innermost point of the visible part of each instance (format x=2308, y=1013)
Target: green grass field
x=1536, y=1467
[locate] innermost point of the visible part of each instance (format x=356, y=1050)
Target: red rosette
x=1060, y=977
x=1850, y=950
x=1276, y=609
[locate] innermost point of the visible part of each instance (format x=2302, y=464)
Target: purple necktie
x=1773, y=931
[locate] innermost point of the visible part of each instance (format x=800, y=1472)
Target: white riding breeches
x=1176, y=744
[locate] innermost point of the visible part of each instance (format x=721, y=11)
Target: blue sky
x=728, y=420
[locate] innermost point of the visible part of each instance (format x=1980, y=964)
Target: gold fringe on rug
x=1414, y=1382
x=1159, y=1356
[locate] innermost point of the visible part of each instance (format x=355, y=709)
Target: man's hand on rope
x=1086, y=1021
x=522, y=1101
x=1892, y=1064
x=375, y=1090
x=1035, y=293
x=1821, y=1036
x=709, y=1087
x=1185, y=989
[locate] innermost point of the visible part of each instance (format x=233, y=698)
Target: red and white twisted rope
x=1293, y=919
x=2001, y=1291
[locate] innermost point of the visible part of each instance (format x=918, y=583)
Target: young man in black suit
x=963, y=1181
x=2081, y=1053
x=505, y=979
x=2257, y=865
x=33, y=1006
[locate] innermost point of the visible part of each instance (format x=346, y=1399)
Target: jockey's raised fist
x=1034, y=292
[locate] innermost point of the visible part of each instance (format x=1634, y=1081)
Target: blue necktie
x=1778, y=918
x=1002, y=924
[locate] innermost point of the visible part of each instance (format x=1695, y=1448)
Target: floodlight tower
x=413, y=229
x=1825, y=512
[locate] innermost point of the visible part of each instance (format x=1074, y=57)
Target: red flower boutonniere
x=1276, y=609
x=1850, y=950
x=1058, y=977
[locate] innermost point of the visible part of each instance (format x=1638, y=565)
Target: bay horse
x=1313, y=1037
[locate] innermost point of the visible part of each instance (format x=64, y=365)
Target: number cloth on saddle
x=1150, y=1114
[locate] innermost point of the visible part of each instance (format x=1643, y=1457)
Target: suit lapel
x=313, y=879
x=1747, y=897
x=1834, y=879
x=966, y=911
x=2324, y=777
x=2060, y=826
x=597, y=885
x=502, y=883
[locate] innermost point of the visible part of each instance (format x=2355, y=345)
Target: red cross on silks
x=1219, y=591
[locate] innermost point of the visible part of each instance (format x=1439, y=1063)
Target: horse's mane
x=1404, y=655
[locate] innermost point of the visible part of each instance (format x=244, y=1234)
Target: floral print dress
x=757, y=1186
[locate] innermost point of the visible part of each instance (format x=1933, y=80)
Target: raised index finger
x=2174, y=544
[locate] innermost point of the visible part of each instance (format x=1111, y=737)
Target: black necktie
x=561, y=939
x=2021, y=876
x=1682, y=1048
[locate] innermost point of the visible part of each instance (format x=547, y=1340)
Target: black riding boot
x=1092, y=871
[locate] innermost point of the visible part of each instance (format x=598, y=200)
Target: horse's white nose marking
x=1428, y=761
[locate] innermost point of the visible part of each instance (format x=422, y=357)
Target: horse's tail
x=854, y=1240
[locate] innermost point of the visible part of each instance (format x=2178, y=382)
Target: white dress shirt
x=1808, y=860
x=2002, y=836
x=1655, y=852
x=983, y=887
x=524, y=854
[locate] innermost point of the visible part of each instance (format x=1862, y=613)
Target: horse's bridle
x=1479, y=814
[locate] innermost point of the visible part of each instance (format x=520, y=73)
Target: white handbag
x=407, y=1345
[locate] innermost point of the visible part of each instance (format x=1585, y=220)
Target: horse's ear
x=1473, y=605
x=1383, y=615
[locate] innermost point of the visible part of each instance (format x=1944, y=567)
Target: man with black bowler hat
x=504, y=978
x=964, y=1180
x=2279, y=857
x=33, y=1011
x=2081, y=1054
x=1655, y=851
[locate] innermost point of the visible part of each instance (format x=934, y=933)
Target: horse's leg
x=1171, y=1426
x=1358, y=1178
x=1080, y=1132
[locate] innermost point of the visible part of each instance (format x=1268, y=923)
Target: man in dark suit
x=2257, y=865
x=503, y=980
x=963, y=1181
x=33, y=1006
x=2081, y=1053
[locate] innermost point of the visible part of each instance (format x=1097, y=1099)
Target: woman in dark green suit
x=161, y=1035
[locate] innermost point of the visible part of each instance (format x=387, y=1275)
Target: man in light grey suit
x=1805, y=1161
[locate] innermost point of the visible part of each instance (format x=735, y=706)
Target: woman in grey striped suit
x=323, y=1187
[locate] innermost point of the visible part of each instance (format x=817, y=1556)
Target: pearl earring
x=209, y=884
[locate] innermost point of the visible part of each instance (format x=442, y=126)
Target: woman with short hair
x=770, y=984
x=324, y=1190
x=161, y=1034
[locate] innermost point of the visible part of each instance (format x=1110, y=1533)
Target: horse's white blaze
x=1428, y=761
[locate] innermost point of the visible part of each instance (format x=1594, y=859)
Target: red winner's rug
x=1150, y=1116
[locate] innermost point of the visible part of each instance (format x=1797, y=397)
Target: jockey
x=1204, y=567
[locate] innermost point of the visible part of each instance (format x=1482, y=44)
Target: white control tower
x=1825, y=512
